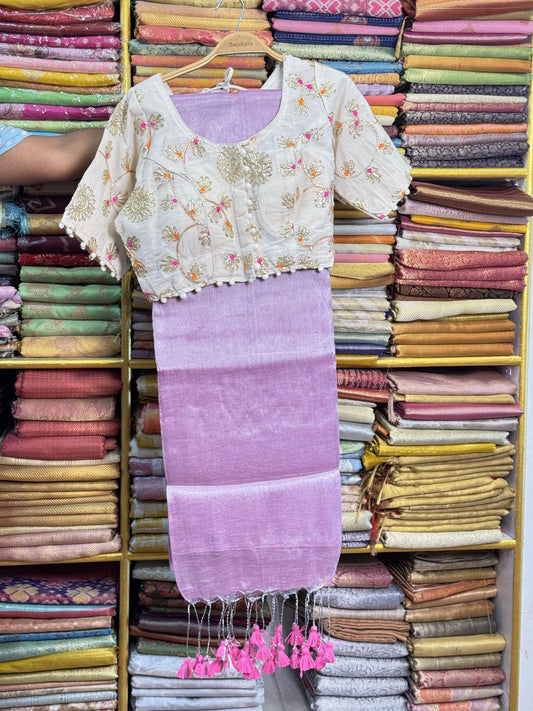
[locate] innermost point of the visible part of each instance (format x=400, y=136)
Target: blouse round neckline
x=279, y=71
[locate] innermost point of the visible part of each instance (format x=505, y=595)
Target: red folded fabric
x=59, y=260
x=51, y=448
x=39, y=428
x=451, y=411
x=83, y=382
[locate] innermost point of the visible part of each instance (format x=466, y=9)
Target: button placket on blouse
x=249, y=225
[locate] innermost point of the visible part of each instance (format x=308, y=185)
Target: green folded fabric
x=69, y=294
x=449, y=76
x=66, y=275
x=18, y=650
x=14, y=95
x=466, y=50
x=58, y=327
x=76, y=312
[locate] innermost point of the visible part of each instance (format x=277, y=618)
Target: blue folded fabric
x=350, y=465
x=355, y=40
x=359, y=348
x=365, y=67
x=36, y=636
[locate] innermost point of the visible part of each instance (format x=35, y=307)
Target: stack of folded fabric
x=469, y=78
x=58, y=645
x=359, y=277
x=459, y=267
x=455, y=649
x=362, y=612
x=171, y=35
x=12, y=222
x=148, y=502
x=59, y=467
x=70, y=306
x=59, y=69
x=142, y=336
x=355, y=38
x=10, y=305
x=358, y=390
x=165, y=633
x=438, y=463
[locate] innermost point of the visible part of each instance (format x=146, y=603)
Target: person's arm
x=38, y=159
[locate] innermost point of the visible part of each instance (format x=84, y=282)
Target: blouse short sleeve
x=106, y=187
x=370, y=173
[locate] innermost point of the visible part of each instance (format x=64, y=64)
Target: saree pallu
x=83, y=41
x=381, y=8
x=178, y=35
x=271, y=483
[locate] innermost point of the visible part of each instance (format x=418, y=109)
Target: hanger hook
x=219, y=3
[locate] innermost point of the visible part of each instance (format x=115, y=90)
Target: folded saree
x=451, y=694
x=170, y=35
x=331, y=27
x=74, y=448
x=448, y=411
x=39, y=428
x=355, y=687
x=69, y=409
x=449, y=76
x=466, y=661
x=57, y=327
x=74, y=312
x=66, y=293
x=432, y=310
x=384, y=8
x=58, y=77
x=61, y=660
x=451, y=10
x=445, y=628
x=451, y=646
x=324, y=51
x=467, y=50
x=468, y=64
x=458, y=677
x=70, y=346
x=410, y=539
x=505, y=199
x=360, y=630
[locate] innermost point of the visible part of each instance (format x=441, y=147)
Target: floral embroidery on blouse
x=185, y=212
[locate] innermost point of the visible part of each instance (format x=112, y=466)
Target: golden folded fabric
x=62, y=660
x=468, y=224
x=453, y=646
x=454, y=351
x=18, y=489
x=150, y=525
x=8, y=500
x=338, y=282
x=59, y=78
x=70, y=346
x=50, y=472
x=441, y=489
x=85, y=519
x=471, y=326
x=177, y=8
x=457, y=338
x=384, y=78
x=378, y=451
x=204, y=22
x=322, y=611
x=504, y=449
x=99, y=673
x=385, y=110
x=364, y=239
x=44, y=224
x=465, y=661
x=467, y=524
x=468, y=64
x=478, y=608
x=362, y=271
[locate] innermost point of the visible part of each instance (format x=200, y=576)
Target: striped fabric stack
x=59, y=69
x=466, y=105
x=148, y=503
x=142, y=331
x=438, y=463
x=71, y=308
x=359, y=391
x=58, y=644
x=363, y=613
x=175, y=33
x=357, y=38
x=459, y=269
x=455, y=650
x=164, y=635
x=359, y=279
x=59, y=466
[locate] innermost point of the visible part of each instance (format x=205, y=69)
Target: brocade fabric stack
x=172, y=34
x=363, y=613
x=165, y=633
x=71, y=308
x=354, y=36
x=359, y=277
x=438, y=464
x=142, y=337
x=59, y=466
x=459, y=269
x=359, y=391
x=148, y=502
x=455, y=649
x=466, y=106
x=12, y=222
x=59, y=69
x=58, y=643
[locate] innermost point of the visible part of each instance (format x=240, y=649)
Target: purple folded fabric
x=468, y=26
x=331, y=28
x=89, y=41
x=263, y=511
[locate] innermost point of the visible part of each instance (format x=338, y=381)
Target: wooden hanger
x=234, y=43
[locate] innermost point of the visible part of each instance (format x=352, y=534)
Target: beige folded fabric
x=397, y=613
x=478, y=608
x=388, y=631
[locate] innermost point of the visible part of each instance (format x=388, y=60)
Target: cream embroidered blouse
x=186, y=212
